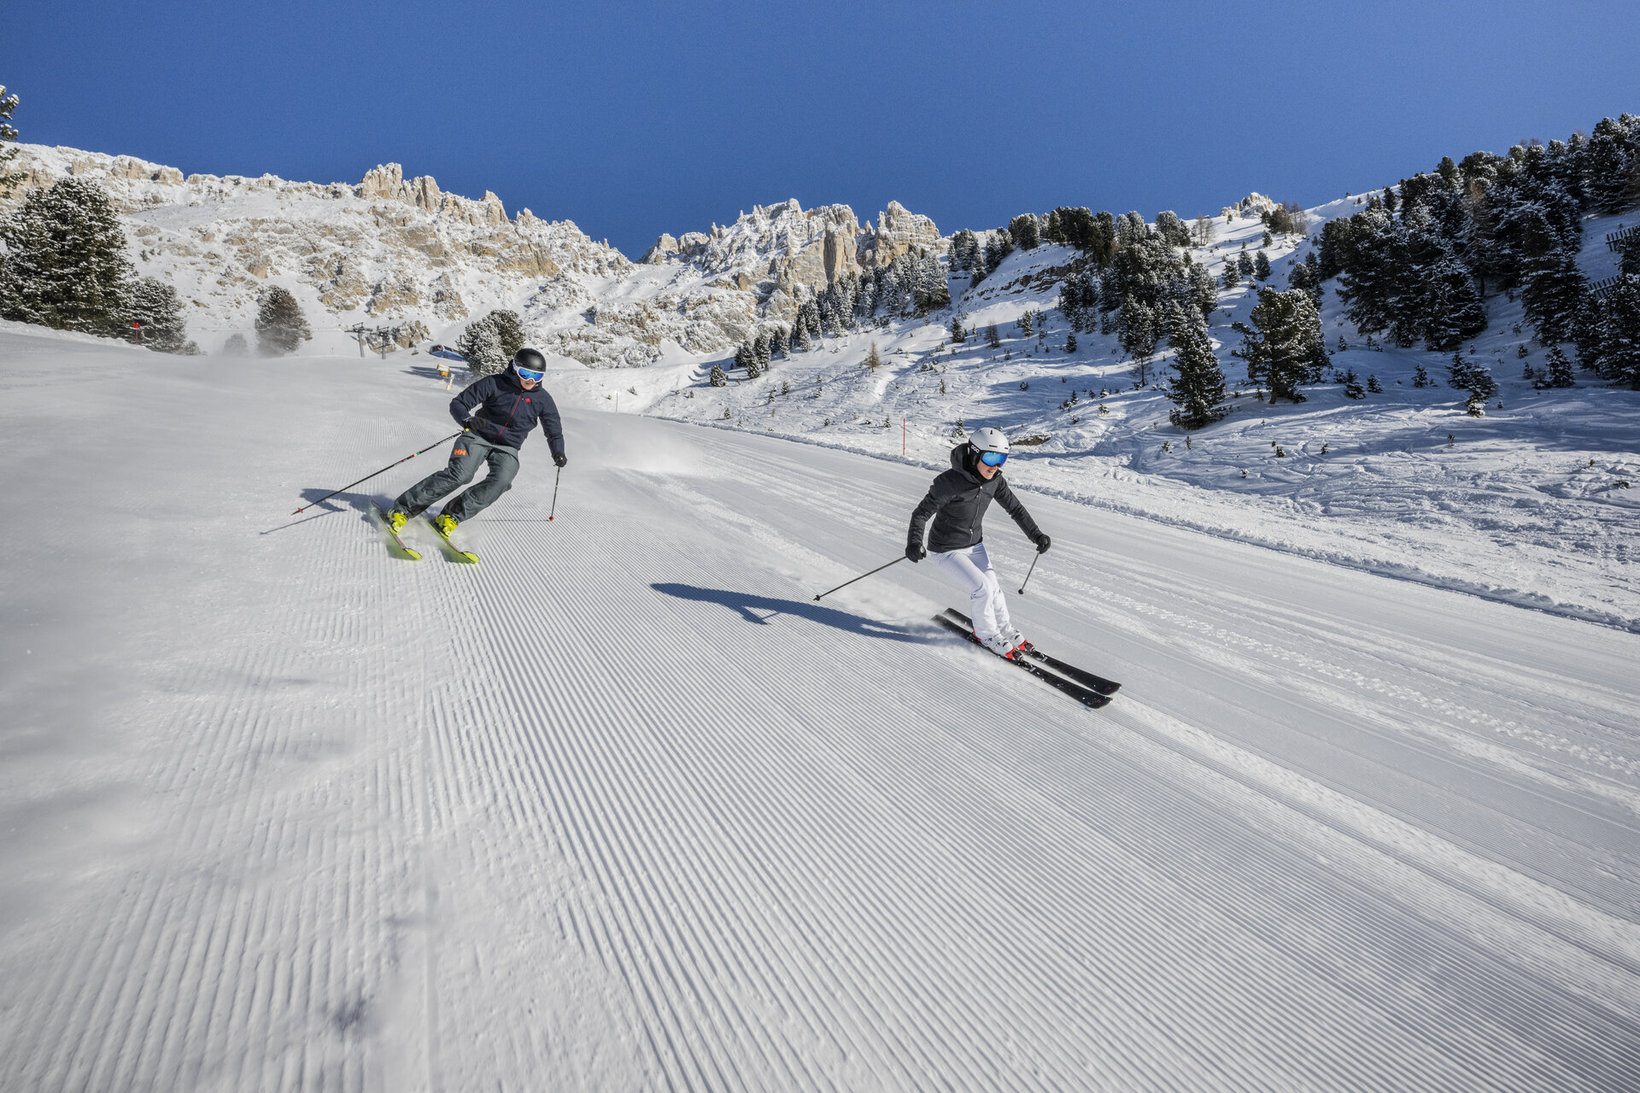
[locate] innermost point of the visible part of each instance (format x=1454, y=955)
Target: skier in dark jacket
x=503, y=408
x=957, y=502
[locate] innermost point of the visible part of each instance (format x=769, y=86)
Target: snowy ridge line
x=1548, y=931
x=1531, y=601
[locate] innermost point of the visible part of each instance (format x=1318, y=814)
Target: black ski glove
x=559, y=458
x=1042, y=542
x=914, y=552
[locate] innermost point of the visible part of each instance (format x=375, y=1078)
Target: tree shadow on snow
x=760, y=609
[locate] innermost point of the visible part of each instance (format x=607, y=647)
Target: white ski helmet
x=989, y=440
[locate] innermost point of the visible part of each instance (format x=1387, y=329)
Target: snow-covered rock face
x=392, y=251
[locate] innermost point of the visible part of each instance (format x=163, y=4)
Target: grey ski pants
x=471, y=451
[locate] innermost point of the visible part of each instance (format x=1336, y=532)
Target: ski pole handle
x=373, y=474
x=861, y=577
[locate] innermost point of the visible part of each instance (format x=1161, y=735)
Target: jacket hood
x=963, y=460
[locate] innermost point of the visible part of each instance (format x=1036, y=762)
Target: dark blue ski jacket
x=504, y=413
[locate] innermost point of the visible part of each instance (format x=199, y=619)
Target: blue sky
x=636, y=118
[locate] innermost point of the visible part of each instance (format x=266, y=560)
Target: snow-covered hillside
x=1531, y=504
x=402, y=259
x=622, y=807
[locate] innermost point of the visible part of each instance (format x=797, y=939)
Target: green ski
x=395, y=545
x=451, y=551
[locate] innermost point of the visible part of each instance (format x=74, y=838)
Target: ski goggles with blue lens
x=993, y=459
x=529, y=374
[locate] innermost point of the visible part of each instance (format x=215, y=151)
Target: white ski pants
x=971, y=568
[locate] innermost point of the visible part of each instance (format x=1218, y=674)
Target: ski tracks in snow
x=622, y=807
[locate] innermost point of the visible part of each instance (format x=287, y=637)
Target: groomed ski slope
x=623, y=808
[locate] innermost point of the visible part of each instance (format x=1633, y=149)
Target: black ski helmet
x=529, y=360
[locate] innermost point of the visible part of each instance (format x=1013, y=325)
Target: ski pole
x=555, y=479
x=1028, y=573
x=373, y=474
x=861, y=577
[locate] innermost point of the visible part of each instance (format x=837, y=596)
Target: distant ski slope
x=622, y=807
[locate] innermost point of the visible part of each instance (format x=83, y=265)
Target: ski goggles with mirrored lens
x=993, y=459
x=532, y=376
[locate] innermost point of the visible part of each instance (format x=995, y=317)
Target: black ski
x=1081, y=675
x=1089, y=698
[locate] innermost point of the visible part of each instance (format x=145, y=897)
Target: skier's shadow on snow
x=313, y=510
x=760, y=609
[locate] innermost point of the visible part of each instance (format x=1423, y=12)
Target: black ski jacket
x=957, y=501
x=506, y=412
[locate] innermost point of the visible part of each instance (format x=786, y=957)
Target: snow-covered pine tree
x=280, y=325
x=1474, y=378
x=1172, y=229
x=1452, y=311
x=777, y=343
x=808, y=318
x=977, y=269
x=1284, y=346
x=1374, y=269
x=8, y=136
x=1026, y=231
x=1140, y=329
x=155, y=305
x=1197, y=389
x=959, y=334
x=1261, y=266
x=65, y=265
x=760, y=353
x=1610, y=160
x=865, y=300
x=1619, y=333
x=489, y=342
x=998, y=247
x=1204, y=291
x=874, y=359
x=1551, y=295
x=717, y=378
x=929, y=289
x=1559, y=373
x=894, y=295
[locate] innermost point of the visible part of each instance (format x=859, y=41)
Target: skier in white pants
x=957, y=501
